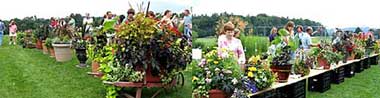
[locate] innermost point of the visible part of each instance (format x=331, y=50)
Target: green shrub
x=20, y=38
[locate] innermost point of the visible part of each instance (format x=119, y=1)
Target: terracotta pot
x=282, y=72
x=95, y=69
x=216, y=93
x=95, y=66
x=352, y=57
x=52, y=53
x=323, y=62
x=44, y=48
x=39, y=44
x=62, y=52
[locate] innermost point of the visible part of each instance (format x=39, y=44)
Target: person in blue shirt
x=2, y=28
x=305, y=39
x=187, y=23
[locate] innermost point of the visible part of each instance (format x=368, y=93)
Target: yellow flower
x=209, y=60
x=250, y=74
x=194, y=78
x=219, y=58
x=252, y=69
x=216, y=62
x=254, y=59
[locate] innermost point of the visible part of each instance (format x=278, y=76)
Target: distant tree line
x=259, y=24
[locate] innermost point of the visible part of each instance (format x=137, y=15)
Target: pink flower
x=202, y=63
x=208, y=80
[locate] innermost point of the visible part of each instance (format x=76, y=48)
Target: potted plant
x=62, y=44
x=80, y=46
x=156, y=53
x=300, y=67
x=259, y=73
x=325, y=56
x=21, y=39
x=216, y=75
x=40, y=34
x=281, y=64
x=49, y=46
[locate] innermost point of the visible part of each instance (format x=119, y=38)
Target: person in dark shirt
x=273, y=34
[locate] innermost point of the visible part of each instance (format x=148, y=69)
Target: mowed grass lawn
x=28, y=73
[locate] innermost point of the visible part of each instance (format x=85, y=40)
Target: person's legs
x=14, y=40
x=10, y=40
x=1, y=37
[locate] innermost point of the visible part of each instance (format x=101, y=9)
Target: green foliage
x=48, y=43
x=254, y=45
x=300, y=67
x=326, y=52
x=20, y=38
x=194, y=35
x=283, y=32
x=358, y=30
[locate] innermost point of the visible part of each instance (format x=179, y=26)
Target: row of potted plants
x=217, y=75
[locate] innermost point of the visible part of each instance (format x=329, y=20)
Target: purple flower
x=251, y=86
x=202, y=63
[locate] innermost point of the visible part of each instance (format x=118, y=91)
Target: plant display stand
x=337, y=75
x=359, y=66
x=320, y=83
x=295, y=90
x=366, y=63
x=177, y=81
x=349, y=70
x=268, y=94
x=373, y=60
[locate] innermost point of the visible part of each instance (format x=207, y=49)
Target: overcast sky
x=60, y=8
x=331, y=13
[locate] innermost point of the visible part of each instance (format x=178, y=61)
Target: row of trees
x=205, y=24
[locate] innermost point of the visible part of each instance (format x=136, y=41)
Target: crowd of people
x=169, y=19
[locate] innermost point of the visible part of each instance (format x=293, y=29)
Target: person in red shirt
x=53, y=22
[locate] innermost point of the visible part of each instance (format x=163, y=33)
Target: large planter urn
x=81, y=55
x=62, y=52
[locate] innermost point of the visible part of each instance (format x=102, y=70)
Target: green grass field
x=28, y=73
x=362, y=85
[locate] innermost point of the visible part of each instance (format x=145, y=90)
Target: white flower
x=234, y=81
x=208, y=72
x=208, y=80
x=227, y=71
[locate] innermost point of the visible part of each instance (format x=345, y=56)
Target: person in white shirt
x=88, y=21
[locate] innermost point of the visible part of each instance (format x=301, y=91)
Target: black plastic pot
x=81, y=55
